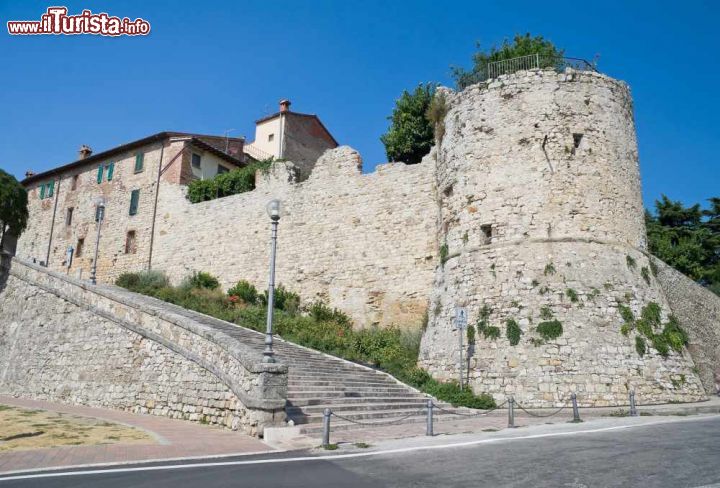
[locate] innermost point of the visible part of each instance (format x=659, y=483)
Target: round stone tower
x=542, y=232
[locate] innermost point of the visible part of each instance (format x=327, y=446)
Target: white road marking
x=339, y=456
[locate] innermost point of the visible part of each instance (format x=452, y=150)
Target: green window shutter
x=134, y=200
x=110, y=170
x=139, y=162
x=99, y=175
x=42, y=191
x=51, y=188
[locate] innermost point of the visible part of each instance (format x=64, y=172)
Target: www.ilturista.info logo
x=57, y=21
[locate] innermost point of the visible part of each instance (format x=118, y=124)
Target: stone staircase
x=317, y=381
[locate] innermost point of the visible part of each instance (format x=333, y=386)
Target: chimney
x=284, y=105
x=84, y=151
x=29, y=173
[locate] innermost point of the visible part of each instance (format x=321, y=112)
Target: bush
x=626, y=314
x=550, y=330
x=675, y=335
x=546, y=313
x=202, y=280
x=245, y=291
x=513, y=332
x=491, y=332
x=236, y=181
x=142, y=281
x=640, y=346
x=572, y=295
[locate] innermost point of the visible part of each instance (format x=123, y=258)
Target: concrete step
x=356, y=407
x=377, y=390
x=324, y=394
x=331, y=401
x=366, y=416
x=347, y=381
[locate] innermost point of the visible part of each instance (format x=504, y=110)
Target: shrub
x=491, y=332
x=142, y=281
x=675, y=335
x=546, y=313
x=236, y=181
x=444, y=251
x=471, y=334
x=651, y=314
x=572, y=295
x=626, y=314
x=645, y=273
x=640, y=345
x=202, y=280
x=321, y=312
x=626, y=328
x=660, y=344
x=550, y=330
x=631, y=263
x=245, y=291
x=283, y=299
x=549, y=269
x=512, y=332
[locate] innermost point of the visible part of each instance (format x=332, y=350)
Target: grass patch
x=549, y=330
x=513, y=332
x=362, y=445
x=331, y=447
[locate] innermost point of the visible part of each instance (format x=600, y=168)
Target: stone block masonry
x=63, y=341
x=364, y=243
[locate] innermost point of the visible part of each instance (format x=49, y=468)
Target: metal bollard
x=511, y=412
x=326, y=427
x=633, y=409
x=429, y=427
x=576, y=412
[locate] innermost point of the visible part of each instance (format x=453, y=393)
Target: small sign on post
x=461, y=325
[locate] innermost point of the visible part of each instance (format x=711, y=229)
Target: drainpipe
x=157, y=192
x=282, y=135
x=52, y=223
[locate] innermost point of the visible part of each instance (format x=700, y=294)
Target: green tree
x=687, y=238
x=13, y=206
x=522, y=45
x=410, y=135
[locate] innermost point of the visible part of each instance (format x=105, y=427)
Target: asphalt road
x=679, y=454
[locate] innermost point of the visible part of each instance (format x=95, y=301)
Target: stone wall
x=365, y=243
x=61, y=340
x=540, y=202
x=698, y=309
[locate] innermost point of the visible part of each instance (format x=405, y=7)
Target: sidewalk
x=173, y=439
x=290, y=438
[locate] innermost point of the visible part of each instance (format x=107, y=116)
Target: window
x=46, y=190
x=100, y=174
x=222, y=169
x=486, y=233
x=139, y=162
x=42, y=191
x=130, y=243
x=51, y=188
x=196, y=160
x=134, y=200
x=271, y=137
x=577, y=139
x=110, y=170
x=79, y=248
x=74, y=184
x=68, y=216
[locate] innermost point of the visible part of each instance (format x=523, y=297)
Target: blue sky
x=214, y=65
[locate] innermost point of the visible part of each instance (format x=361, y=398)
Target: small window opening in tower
x=577, y=138
x=486, y=231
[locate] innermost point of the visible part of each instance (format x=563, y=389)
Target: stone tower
x=541, y=221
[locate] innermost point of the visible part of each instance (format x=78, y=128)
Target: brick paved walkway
x=174, y=439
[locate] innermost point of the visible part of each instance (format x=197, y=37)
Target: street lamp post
x=99, y=216
x=273, y=210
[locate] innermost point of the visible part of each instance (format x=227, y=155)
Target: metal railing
x=428, y=411
x=256, y=153
x=522, y=63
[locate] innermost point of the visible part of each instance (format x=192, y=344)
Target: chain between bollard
x=478, y=414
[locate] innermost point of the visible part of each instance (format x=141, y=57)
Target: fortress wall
x=365, y=243
x=103, y=346
x=509, y=161
x=698, y=309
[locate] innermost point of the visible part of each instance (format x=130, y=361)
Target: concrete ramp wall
x=65, y=340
